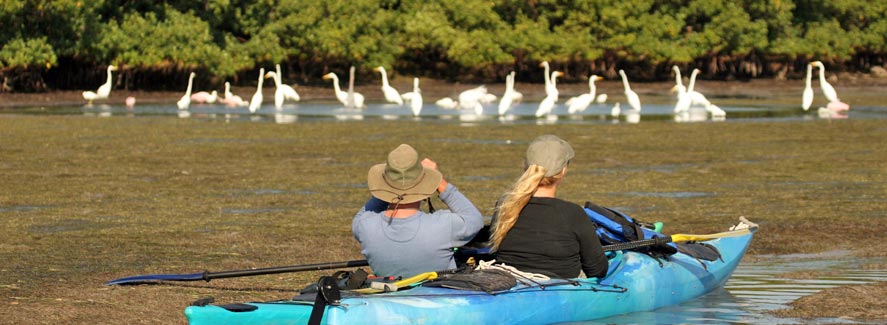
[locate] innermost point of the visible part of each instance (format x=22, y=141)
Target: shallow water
x=758, y=287
x=521, y=113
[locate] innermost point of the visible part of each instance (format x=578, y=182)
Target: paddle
x=206, y=275
x=677, y=238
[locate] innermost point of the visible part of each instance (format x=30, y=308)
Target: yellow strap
x=403, y=283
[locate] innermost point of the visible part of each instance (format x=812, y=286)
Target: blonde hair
x=516, y=199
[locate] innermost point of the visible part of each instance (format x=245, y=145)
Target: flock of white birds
x=688, y=99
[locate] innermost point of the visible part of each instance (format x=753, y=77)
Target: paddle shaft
x=675, y=238
x=637, y=244
x=282, y=269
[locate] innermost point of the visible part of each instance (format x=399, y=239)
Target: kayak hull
x=636, y=282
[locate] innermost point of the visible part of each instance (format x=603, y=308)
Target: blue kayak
x=635, y=282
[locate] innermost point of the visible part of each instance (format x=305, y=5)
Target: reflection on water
x=519, y=113
x=758, y=287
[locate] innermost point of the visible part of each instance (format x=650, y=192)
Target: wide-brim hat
x=402, y=179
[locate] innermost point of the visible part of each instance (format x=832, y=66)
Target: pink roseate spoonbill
x=130, y=102
x=185, y=101
x=104, y=90
x=205, y=97
x=231, y=99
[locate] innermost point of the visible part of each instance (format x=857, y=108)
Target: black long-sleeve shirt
x=553, y=237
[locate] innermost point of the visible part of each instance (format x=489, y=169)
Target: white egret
x=508, y=96
x=282, y=91
x=549, y=88
x=416, y=99
x=580, y=103
x=614, y=112
x=678, y=81
x=185, y=101
x=231, y=99
x=547, y=104
x=447, y=103
x=633, y=100
x=342, y=96
x=695, y=97
x=807, y=97
x=104, y=90
x=827, y=90
x=684, y=99
x=352, y=99
x=257, y=99
x=471, y=99
x=391, y=94
x=516, y=96
x=716, y=112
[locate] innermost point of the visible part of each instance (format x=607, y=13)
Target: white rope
x=524, y=277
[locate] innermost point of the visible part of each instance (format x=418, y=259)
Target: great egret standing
x=581, y=102
x=547, y=104
x=341, y=95
x=508, y=96
x=104, y=90
x=807, y=97
x=282, y=91
x=632, y=97
x=827, y=90
x=185, y=101
x=257, y=99
x=391, y=94
x=416, y=99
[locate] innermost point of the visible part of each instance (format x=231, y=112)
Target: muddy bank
x=85, y=200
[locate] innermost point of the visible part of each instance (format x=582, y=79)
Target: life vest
x=615, y=227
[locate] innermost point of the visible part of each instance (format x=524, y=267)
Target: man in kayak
x=534, y=231
x=399, y=239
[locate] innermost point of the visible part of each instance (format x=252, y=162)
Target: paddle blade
x=688, y=237
x=156, y=277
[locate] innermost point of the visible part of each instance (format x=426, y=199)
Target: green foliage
x=227, y=37
x=20, y=53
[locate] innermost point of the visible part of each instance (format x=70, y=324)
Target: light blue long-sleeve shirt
x=419, y=243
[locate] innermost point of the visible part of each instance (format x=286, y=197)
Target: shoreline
x=857, y=86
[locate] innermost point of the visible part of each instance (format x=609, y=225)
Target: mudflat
x=86, y=200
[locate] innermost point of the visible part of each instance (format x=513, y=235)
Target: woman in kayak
x=536, y=232
x=398, y=238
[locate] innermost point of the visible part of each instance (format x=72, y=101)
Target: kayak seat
x=487, y=280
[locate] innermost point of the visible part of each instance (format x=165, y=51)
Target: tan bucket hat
x=402, y=179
